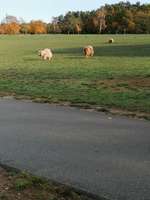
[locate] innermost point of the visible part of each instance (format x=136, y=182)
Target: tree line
x=119, y=18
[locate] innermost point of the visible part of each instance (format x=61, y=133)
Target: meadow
x=118, y=76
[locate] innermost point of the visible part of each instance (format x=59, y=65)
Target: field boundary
x=82, y=106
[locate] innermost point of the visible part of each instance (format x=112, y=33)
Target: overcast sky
x=46, y=9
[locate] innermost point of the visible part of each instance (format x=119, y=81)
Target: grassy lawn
x=118, y=76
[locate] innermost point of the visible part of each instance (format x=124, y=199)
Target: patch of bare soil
x=124, y=84
x=22, y=186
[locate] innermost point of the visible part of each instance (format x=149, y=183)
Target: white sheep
x=46, y=54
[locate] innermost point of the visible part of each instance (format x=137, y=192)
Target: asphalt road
x=88, y=150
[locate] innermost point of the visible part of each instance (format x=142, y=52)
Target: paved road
x=108, y=157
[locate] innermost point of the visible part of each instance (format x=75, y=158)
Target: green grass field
x=118, y=76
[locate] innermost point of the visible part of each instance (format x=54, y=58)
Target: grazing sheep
x=111, y=40
x=46, y=54
x=88, y=51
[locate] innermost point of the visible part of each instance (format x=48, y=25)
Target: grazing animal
x=88, y=51
x=46, y=54
x=111, y=40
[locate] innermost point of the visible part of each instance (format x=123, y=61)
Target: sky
x=46, y=9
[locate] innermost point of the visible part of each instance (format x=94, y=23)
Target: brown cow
x=88, y=51
x=111, y=40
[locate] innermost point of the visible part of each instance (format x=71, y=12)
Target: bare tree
x=100, y=19
x=10, y=19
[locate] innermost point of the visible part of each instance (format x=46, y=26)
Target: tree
x=78, y=28
x=142, y=22
x=71, y=23
x=2, y=29
x=99, y=20
x=24, y=28
x=37, y=27
x=54, y=27
x=11, y=28
x=10, y=19
x=122, y=17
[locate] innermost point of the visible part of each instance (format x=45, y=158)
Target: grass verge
x=16, y=185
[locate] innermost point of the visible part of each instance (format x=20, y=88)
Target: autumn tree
x=2, y=29
x=78, y=28
x=37, y=27
x=10, y=25
x=11, y=28
x=121, y=18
